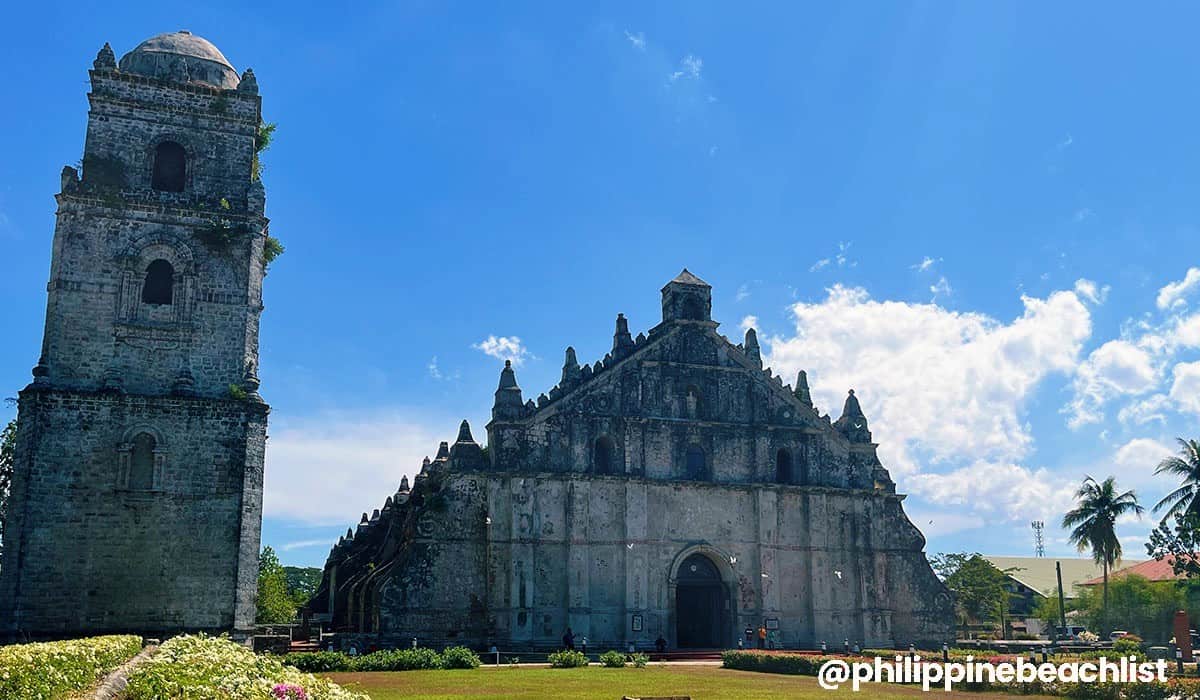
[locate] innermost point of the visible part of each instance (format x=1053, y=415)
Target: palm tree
x=1093, y=522
x=1184, y=500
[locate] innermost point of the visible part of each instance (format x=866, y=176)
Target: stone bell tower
x=137, y=495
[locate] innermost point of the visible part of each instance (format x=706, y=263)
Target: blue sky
x=981, y=216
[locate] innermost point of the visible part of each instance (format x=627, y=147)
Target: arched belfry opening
x=141, y=462
x=695, y=466
x=702, y=604
x=170, y=167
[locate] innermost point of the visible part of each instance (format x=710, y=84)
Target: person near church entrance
x=749, y=637
x=583, y=646
x=762, y=637
x=660, y=644
x=569, y=640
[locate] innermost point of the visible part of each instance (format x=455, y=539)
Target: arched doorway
x=701, y=605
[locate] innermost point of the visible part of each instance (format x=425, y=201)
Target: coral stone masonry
x=137, y=495
x=674, y=488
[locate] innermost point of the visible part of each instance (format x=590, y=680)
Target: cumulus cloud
x=1148, y=410
x=1136, y=461
x=1000, y=491
x=946, y=388
x=941, y=288
x=329, y=469
x=1089, y=290
x=926, y=263
x=504, y=347
x=1116, y=368
x=1174, y=294
x=1185, y=389
x=638, y=41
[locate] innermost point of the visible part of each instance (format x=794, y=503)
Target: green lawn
x=596, y=683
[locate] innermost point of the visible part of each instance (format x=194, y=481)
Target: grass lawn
x=596, y=683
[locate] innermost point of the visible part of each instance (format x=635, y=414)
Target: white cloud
x=1091, y=291
x=329, y=469
x=842, y=258
x=940, y=387
x=823, y=262
x=1002, y=492
x=743, y=293
x=1147, y=410
x=436, y=372
x=689, y=68
x=1185, y=390
x=1135, y=462
x=638, y=41
x=926, y=263
x=940, y=288
x=748, y=323
x=1173, y=294
x=1116, y=368
x=1187, y=332
x=504, y=347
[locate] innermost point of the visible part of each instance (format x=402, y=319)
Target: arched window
x=604, y=458
x=170, y=167
x=696, y=465
x=783, y=467
x=141, y=463
x=160, y=281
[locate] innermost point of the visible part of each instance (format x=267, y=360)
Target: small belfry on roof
x=404, y=484
x=443, y=452
x=570, y=369
x=509, y=404
x=622, y=340
x=105, y=58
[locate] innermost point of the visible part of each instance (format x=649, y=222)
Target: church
x=674, y=489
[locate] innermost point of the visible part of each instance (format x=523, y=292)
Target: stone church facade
x=137, y=494
x=674, y=488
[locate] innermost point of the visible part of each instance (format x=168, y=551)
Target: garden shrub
x=1129, y=644
x=318, y=661
x=398, y=660
x=213, y=668
x=613, y=659
x=567, y=659
x=53, y=670
x=640, y=660
x=794, y=664
x=459, y=657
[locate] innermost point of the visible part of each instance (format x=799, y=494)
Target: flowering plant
x=287, y=691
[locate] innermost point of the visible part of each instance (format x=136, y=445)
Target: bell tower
x=137, y=494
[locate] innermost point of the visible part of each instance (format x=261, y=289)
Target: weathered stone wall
x=550, y=551
x=88, y=553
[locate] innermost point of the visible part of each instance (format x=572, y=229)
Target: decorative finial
x=364, y=519
x=622, y=341
x=801, y=391
x=404, y=483
x=443, y=452
x=105, y=58
x=751, y=347
x=248, y=84
x=464, y=433
x=570, y=370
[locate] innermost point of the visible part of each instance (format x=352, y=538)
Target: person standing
x=762, y=637
x=568, y=640
x=584, y=645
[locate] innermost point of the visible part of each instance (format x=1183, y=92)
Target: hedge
x=52, y=670
x=389, y=660
x=214, y=668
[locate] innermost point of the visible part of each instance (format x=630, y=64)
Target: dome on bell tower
x=181, y=57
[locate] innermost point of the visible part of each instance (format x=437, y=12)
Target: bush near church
x=567, y=659
x=613, y=659
x=215, y=668
x=53, y=670
x=387, y=660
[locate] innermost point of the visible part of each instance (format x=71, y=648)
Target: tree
x=1184, y=500
x=302, y=583
x=1180, y=542
x=1135, y=604
x=8, y=447
x=978, y=586
x=1093, y=525
x=275, y=606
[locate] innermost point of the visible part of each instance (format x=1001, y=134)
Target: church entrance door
x=700, y=602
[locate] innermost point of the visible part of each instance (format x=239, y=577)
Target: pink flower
x=287, y=691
